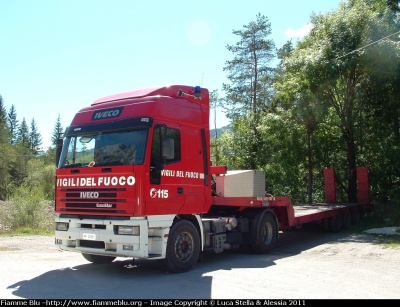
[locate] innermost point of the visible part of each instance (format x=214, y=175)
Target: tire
x=336, y=222
x=355, y=216
x=266, y=235
x=96, y=259
x=346, y=219
x=327, y=224
x=183, y=247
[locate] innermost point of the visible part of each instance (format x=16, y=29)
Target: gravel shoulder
x=46, y=243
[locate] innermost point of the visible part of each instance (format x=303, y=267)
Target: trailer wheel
x=327, y=224
x=355, y=216
x=183, y=247
x=336, y=222
x=346, y=219
x=97, y=259
x=266, y=235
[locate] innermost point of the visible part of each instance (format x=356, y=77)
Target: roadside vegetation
x=383, y=215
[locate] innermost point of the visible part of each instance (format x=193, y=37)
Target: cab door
x=178, y=174
x=166, y=191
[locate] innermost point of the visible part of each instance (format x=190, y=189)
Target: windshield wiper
x=111, y=163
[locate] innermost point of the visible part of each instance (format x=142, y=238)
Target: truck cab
x=118, y=161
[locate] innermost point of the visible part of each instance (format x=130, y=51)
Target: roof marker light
x=196, y=94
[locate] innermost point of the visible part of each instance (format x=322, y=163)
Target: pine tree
x=13, y=124
x=35, y=139
x=250, y=90
x=58, y=129
x=23, y=134
x=23, y=154
x=248, y=72
x=3, y=123
x=6, y=153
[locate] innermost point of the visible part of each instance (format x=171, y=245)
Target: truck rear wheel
x=266, y=235
x=97, y=259
x=183, y=247
x=355, y=216
x=336, y=222
x=346, y=219
x=326, y=224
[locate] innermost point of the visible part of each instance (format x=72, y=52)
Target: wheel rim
x=184, y=246
x=267, y=233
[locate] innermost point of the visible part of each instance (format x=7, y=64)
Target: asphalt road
x=307, y=264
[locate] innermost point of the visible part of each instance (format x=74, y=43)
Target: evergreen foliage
x=22, y=157
x=57, y=131
x=35, y=139
x=12, y=124
x=249, y=71
x=249, y=91
x=3, y=123
x=23, y=134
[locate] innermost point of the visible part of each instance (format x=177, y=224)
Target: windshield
x=125, y=147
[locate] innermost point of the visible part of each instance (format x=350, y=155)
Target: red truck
x=134, y=179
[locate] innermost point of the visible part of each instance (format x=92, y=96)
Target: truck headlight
x=62, y=226
x=128, y=230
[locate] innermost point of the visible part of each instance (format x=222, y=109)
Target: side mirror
x=58, y=149
x=168, y=149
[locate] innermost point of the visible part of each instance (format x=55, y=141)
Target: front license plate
x=89, y=236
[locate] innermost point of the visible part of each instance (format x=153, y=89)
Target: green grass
x=371, y=220
x=391, y=241
x=26, y=231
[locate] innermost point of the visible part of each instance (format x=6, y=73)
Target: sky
x=57, y=57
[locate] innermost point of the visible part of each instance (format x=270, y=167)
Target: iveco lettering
x=107, y=113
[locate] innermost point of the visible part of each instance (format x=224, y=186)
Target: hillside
x=219, y=131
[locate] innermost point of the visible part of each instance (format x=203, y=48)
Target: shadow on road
x=144, y=279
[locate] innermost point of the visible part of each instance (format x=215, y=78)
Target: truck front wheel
x=267, y=235
x=97, y=259
x=183, y=247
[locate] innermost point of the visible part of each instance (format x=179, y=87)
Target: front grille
x=80, y=205
x=96, y=200
x=100, y=194
x=91, y=226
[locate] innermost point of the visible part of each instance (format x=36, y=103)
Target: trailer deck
x=295, y=215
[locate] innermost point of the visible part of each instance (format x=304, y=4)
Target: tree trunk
x=352, y=169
